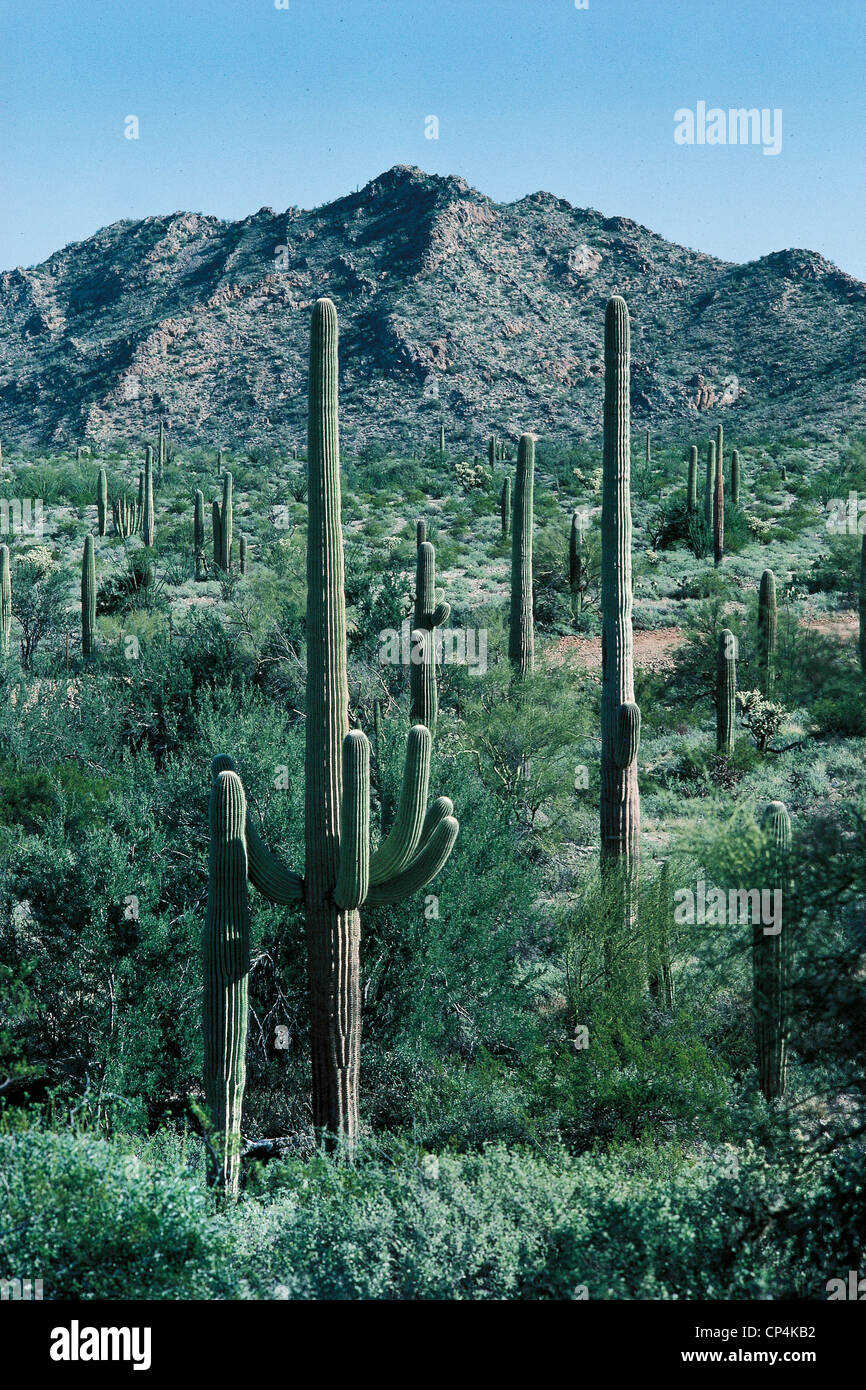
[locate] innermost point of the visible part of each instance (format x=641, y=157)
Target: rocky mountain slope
x=451, y=305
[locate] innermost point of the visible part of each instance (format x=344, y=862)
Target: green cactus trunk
x=767, y=632
x=491, y=451
x=620, y=716
x=726, y=692
x=771, y=960
x=575, y=564
x=720, y=449
x=692, y=484
x=160, y=455
x=710, y=484
x=216, y=529
x=226, y=525
x=242, y=562
x=735, y=479
x=505, y=506
x=198, y=535
x=521, y=635
x=5, y=600
x=102, y=501
x=88, y=598
x=226, y=958
x=147, y=521
x=427, y=616
x=719, y=517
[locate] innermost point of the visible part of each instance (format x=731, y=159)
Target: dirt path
x=654, y=651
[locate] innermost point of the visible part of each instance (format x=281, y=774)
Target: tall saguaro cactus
x=767, y=631
x=147, y=520
x=102, y=501
x=198, y=535
x=720, y=449
x=735, y=478
x=216, y=529
x=427, y=616
x=710, y=483
x=5, y=600
x=692, y=483
x=719, y=517
x=505, y=506
x=620, y=716
x=88, y=597
x=491, y=450
x=575, y=562
x=521, y=633
x=225, y=560
x=341, y=874
x=226, y=959
x=771, y=959
x=726, y=692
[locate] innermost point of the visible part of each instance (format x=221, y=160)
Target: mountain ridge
x=451, y=305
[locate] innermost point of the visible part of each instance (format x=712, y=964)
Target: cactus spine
x=226, y=956
x=427, y=616
x=710, y=483
x=505, y=506
x=767, y=631
x=620, y=716
x=102, y=500
x=147, y=522
x=719, y=516
x=88, y=597
x=735, y=479
x=521, y=637
x=692, y=485
x=771, y=960
x=726, y=692
x=5, y=599
x=198, y=535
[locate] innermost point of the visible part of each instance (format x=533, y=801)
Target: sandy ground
x=654, y=651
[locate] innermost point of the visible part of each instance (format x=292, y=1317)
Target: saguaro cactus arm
x=353, y=877
x=395, y=852
x=421, y=870
x=267, y=872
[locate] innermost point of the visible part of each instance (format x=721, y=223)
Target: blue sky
x=243, y=105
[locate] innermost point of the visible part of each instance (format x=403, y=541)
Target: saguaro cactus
x=491, y=450
x=720, y=449
x=5, y=600
x=225, y=560
x=226, y=957
x=521, y=634
x=102, y=500
x=735, y=479
x=88, y=597
x=726, y=692
x=620, y=716
x=125, y=517
x=160, y=454
x=505, y=506
x=710, y=483
x=771, y=959
x=767, y=631
x=243, y=555
x=719, y=517
x=575, y=562
x=428, y=615
x=147, y=520
x=198, y=535
x=692, y=484
x=341, y=874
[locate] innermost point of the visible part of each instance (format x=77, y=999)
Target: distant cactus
x=505, y=506
x=575, y=563
x=88, y=597
x=160, y=454
x=220, y=461
x=735, y=479
x=491, y=451
x=125, y=516
x=771, y=960
x=225, y=560
x=767, y=631
x=648, y=454
x=692, y=484
x=720, y=449
x=719, y=517
x=102, y=500
x=428, y=615
x=726, y=692
x=147, y=520
x=242, y=564
x=216, y=529
x=5, y=599
x=226, y=958
x=710, y=484
x=198, y=535
x=521, y=635
x=620, y=717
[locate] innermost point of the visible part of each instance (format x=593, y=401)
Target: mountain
x=498, y=308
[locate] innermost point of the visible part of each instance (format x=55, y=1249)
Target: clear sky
x=241, y=105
